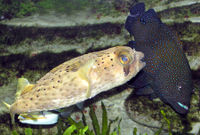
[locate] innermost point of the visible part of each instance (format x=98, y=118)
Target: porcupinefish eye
x=124, y=59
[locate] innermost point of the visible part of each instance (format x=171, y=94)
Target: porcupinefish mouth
x=126, y=70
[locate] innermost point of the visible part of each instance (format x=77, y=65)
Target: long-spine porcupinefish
x=79, y=79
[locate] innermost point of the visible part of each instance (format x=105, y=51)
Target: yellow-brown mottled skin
x=68, y=83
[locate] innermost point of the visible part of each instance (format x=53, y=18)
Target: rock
x=114, y=103
x=147, y=113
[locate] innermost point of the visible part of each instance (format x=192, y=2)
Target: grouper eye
x=124, y=59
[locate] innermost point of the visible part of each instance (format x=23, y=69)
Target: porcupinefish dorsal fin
x=83, y=73
x=23, y=86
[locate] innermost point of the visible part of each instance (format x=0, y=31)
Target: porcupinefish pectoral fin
x=23, y=87
x=83, y=73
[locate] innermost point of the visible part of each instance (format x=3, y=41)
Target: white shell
x=47, y=118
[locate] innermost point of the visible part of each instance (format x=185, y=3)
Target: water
x=36, y=36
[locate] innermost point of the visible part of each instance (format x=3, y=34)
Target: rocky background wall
x=36, y=36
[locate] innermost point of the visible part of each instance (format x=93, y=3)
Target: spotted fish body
x=79, y=79
x=167, y=74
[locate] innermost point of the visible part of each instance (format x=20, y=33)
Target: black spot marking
x=58, y=81
x=105, y=67
x=111, y=59
x=108, y=55
x=102, y=62
x=112, y=65
x=102, y=58
x=37, y=96
x=38, y=90
x=31, y=98
x=44, y=89
x=54, y=87
x=52, y=79
x=74, y=69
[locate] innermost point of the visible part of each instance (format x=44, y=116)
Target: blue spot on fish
x=184, y=106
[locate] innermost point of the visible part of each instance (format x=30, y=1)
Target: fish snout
x=137, y=64
x=139, y=58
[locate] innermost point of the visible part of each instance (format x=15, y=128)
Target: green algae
x=13, y=8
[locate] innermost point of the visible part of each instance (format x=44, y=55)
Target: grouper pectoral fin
x=147, y=90
x=83, y=73
x=141, y=80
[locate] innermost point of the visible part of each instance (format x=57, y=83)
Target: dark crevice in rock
x=13, y=35
x=184, y=11
x=50, y=60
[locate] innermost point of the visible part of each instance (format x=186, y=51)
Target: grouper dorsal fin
x=83, y=73
x=23, y=86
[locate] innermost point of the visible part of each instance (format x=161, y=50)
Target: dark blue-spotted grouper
x=167, y=74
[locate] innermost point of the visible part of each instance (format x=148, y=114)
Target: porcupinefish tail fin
x=6, y=104
x=23, y=86
x=11, y=114
x=83, y=72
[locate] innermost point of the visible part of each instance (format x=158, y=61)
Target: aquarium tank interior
x=99, y=67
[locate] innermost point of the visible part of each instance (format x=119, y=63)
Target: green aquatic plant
x=26, y=8
x=158, y=132
x=27, y=131
x=167, y=121
x=16, y=8
x=20, y=8
x=105, y=128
